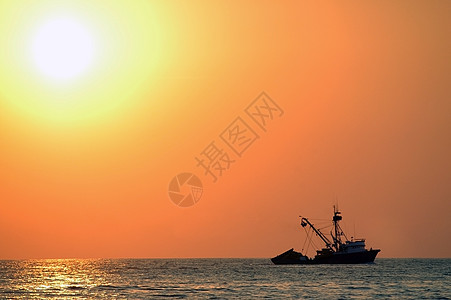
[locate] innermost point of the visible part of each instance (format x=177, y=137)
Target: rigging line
x=310, y=240
x=305, y=241
x=342, y=232
x=321, y=221
x=308, y=246
x=328, y=226
x=324, y=224
x=309, y=237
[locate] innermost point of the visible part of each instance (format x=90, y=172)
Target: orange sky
x=364, y=86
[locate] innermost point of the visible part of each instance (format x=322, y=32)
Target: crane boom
x=305, y=221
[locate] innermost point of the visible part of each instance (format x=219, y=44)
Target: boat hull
x=363, y=257
x=293, y=257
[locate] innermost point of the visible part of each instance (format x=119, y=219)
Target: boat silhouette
x=337, y=250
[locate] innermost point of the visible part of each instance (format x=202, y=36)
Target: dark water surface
x=222, y=278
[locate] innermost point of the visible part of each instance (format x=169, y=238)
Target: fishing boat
x=338, y=249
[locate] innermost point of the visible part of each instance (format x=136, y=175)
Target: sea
x=222, y=279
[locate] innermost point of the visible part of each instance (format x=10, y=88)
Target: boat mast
x=337, y=230
x=305, y=221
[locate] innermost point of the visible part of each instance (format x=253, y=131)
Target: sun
x=78, y=61
x=62, y=48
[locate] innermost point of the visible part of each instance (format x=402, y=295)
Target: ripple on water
x=223, y=278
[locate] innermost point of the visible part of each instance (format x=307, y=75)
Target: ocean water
x=222, y=279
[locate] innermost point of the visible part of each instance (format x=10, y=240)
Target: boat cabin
x=353, y=246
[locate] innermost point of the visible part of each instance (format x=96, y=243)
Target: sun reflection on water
x=57, y=277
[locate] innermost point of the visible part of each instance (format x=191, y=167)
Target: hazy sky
x=89, y=144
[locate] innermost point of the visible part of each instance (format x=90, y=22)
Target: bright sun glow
x=74, y=61
x=62, y=49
